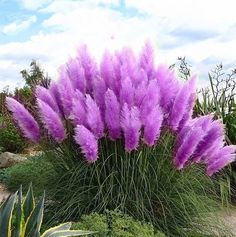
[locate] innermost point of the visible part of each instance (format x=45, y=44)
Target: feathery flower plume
x=66, y=92
x=168, y=84
x=99, y=90
x=214, y=132
x=78, y=113
x=44, y=94
x=51, y=121
x=146, y=60
x=107, y=70
x=89, y=66
x=131, y=125
x=94, y=119
x=152, y=126
x=225, y=156
x=88, y=143
x=180, y=104
x=127, y=92
x=24, y=119
x=112, y=114
x=76, y=74
x=187, y=146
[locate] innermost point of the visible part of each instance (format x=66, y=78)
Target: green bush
x=143, y=184
x=10, y=138
x=36, y=170
x=115, y=224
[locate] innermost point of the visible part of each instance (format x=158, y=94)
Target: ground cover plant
x=121, y=135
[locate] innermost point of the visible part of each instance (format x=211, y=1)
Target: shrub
x=123, y=136
x=36, y=170
x=10, y=138
x=115, y=224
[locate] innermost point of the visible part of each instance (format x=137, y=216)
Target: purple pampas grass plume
x=88, y=143
x=189, y=110
x=53, y=89
x=24, y=119
x=152, y=126
x=99, y=90
x=150, y=101
x=76, y=74
x=89, y=66
x=214, y=132
x=146, y=60
x=107, y=70
x=190, y=140
x=225, y=156
x=131, y=125
x=94, y=119
x=169, y=87
x=78, y=113
x=51, y=121
x=127, y=92
x=128, y=65
x=66, y=92
x=44, y=94
x=112, y=114
x=180, y=105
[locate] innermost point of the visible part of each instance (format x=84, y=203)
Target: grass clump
x=35, y=169
x=143, y=184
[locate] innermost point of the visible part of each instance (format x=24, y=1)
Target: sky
x=50, y=31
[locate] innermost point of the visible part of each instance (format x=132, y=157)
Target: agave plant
x=23, y=218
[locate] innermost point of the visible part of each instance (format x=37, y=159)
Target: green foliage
x=143, y=184
x=115, y=224
x=10, y=138
x=36, y=170
x=35, y=76
x=23, y=218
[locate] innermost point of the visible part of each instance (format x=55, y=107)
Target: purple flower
x=112, y=114
x=24, y=119
x=131, y=125
x=107, y=70
x=223, y=157
x=214, y=132
x=150, y=101
x=99, y=90
x=152, y=126
x=94, y=119
x=187, y=143
x=89, y=66
x=87, y=142
x=127, y=92
x=146, y=60
x=76, y=74
x=66, y=92
x=51, y=121
x=78, y=113
x=169, y=87
x=53, y=89
x=44, y=94
x=181, y=104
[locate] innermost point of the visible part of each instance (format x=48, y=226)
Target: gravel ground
x=3, y=192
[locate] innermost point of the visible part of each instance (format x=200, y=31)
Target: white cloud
x=78, y=22
x=33, y=4
x=17, y=26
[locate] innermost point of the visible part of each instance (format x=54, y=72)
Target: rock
x=8, y=159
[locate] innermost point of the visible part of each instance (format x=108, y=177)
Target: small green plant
x=35, y=169
x=116, y=224
x=23, y=218
x=10, y=138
